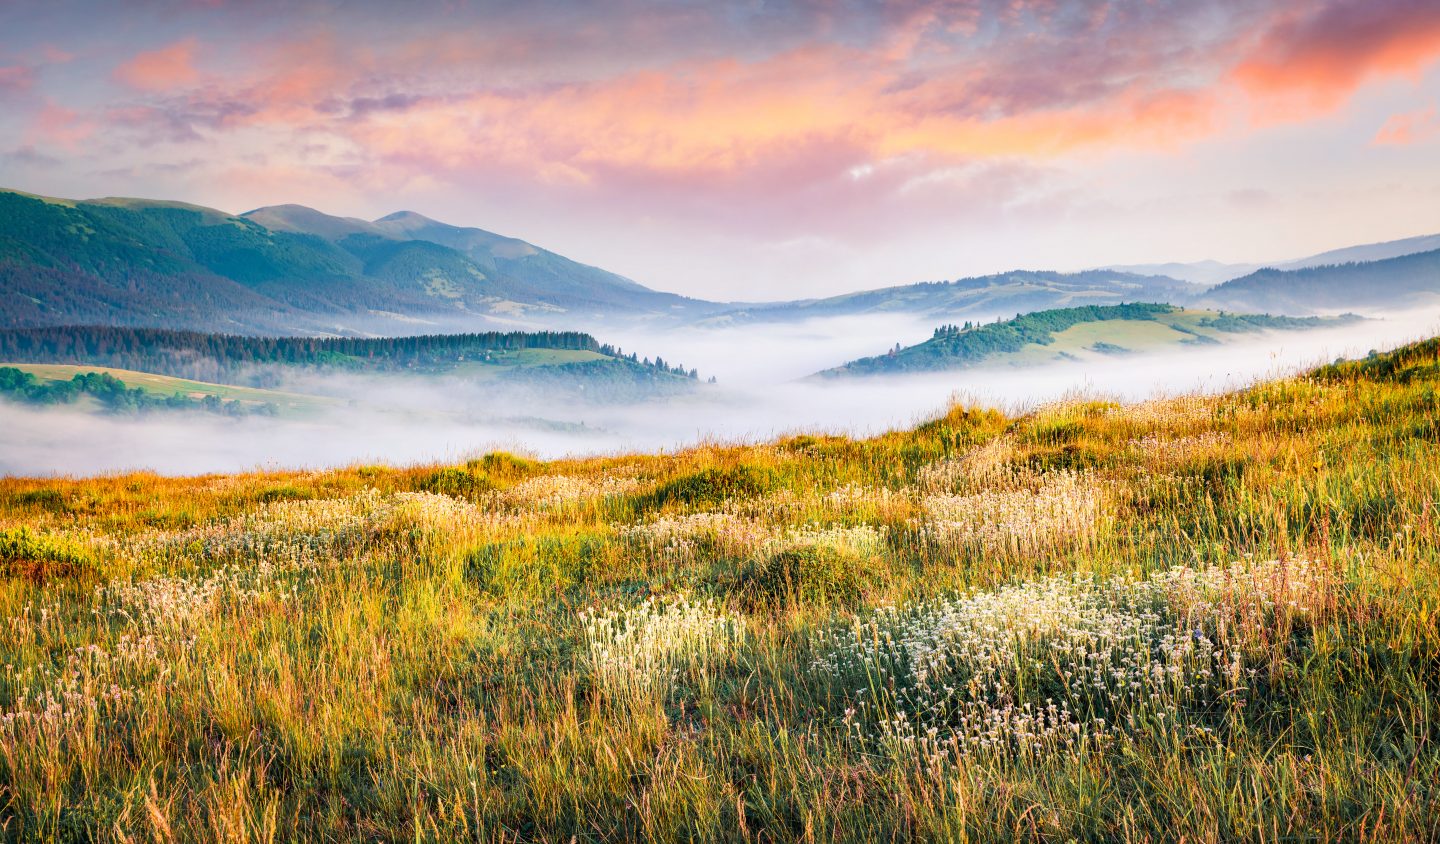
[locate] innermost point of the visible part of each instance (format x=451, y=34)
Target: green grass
x=504, y=361
x=165, y=385
x=1215, y=618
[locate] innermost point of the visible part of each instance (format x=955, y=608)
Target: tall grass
x=1207, y=618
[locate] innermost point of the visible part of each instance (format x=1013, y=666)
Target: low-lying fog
x=396, y=420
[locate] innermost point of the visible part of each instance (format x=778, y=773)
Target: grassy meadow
x=166, y=385
x=1199, y=619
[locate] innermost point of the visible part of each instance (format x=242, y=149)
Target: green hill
x=980, y=297
x=286, y=269
x=1069, y=334
x=113, y=389
x=572, y=362
x=1393, y=283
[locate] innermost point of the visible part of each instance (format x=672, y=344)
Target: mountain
x=983, y=297
x=1210, y=273
x=1070, y=334
x=287, y=269
x=1201, y=273
x=1367, y=252
x=1393, y=283
x=520, y=273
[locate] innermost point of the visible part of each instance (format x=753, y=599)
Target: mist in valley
x=761, y=393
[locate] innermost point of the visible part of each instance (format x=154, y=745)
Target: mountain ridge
x=287, y=268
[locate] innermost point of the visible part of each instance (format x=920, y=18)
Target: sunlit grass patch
x=44, y=556
x=1019, y=514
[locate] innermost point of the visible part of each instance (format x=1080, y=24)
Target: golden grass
x=1205, y=618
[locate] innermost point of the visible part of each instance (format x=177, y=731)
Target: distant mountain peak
x=302, y=219
x=407, y=217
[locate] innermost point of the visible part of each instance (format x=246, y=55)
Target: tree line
x=207, y=356
x=112, y=394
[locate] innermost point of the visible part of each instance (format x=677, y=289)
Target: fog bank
x=403, y=420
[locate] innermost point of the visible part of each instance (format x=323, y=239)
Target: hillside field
x=1087, y=332
x=1209, y=617
x=165, y=385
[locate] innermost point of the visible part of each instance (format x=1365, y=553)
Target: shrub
x=456, y=481
x=501, y=465
x=819, y=574
x=714, y=485
x=42, y=557
x=284, y=493
x=45, y=498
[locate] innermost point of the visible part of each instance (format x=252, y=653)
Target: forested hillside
x=1068, y=333
x=1395, y=283
x=149, y=263
x=229, y=358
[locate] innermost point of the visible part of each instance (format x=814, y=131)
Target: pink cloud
x=57, y=126
x=1409, y=128
x=166, y=69
x=904, y=91
x=16, y=79
x=55, y=55
x=1313, y=61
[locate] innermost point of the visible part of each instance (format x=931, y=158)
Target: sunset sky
x=757, y=150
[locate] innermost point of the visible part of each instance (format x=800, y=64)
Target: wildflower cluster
x=550, y=492
x=862, y=540
x=722, y=534
x=693, y=534
x=1161, y=450
x=641, y=651
x=303, y=534
x=1038, y=513
x=967, y=471
x=1055, y=664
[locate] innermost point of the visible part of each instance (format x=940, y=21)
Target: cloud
x=28, y=156
x=55, y=55
x=58, y=127
x=169, y=68
x=16, y=79
x=1409, y=128
x=746, y=118
x=1313, y=60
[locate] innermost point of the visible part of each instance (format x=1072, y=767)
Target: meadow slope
x=1205, y=617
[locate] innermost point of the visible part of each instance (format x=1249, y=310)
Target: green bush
x=456, y=481
x=40, y=557
x=45, y=498
x=284, y=493
x=811, y=574
x=501, y=465
x=714, y=485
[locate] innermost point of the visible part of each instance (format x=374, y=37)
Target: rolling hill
x=157, y=391
x=1209, y=273
x=568, y=362
x=286, y=269
x=983, y=297
x=1071, y=334
x=1393, y=283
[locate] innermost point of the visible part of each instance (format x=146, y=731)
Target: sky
x=757, y=150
